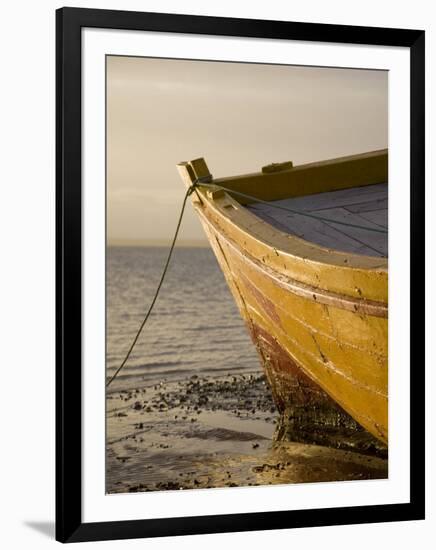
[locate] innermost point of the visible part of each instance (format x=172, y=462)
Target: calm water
x=195, y=327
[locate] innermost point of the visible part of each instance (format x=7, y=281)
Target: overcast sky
x=237, y=116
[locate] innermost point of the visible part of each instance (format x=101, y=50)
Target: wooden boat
x=313, y=293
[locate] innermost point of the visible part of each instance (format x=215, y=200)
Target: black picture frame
x=69, y=525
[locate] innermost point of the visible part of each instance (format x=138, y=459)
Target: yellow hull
x=318, y=317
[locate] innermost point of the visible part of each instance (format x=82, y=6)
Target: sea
x=194, y=329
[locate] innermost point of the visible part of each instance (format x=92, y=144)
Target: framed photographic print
x=240, y=269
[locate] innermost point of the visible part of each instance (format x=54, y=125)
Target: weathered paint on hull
x=329, y=352
x=307, y=413
x=322, y=347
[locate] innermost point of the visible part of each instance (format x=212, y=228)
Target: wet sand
x=214, y=432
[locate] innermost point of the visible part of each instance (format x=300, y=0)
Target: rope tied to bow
x=189, y=191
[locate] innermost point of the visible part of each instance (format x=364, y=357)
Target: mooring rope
x=190, y=190
x=156, y=294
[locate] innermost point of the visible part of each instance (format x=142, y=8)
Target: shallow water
x=195, y=327
x=191, y=409
x=213, y=432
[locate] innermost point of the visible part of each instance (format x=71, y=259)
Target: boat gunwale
x=344, y=273
x=354, y=261
x=374, y=308
x=303, y=167
x=297, y=249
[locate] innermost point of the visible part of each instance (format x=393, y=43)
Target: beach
x=210, y=432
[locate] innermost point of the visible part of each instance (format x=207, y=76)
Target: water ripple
x=195, y=327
